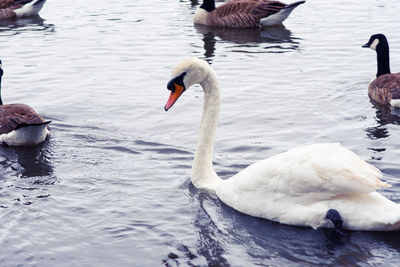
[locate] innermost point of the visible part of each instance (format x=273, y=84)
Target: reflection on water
x=209, y=45
x=276, y=39
x=384, y=115
x=194, y=2
x=27, y=171
x=29, y=161
x=266, y=242
x=15, y=26
x=115, y=172
x=209, y=246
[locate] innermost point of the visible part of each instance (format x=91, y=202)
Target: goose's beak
x=365, y=45
x=175, y=94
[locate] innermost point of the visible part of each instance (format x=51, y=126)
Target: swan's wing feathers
x=319, y=171
x=338, y=170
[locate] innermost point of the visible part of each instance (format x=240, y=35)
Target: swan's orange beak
x=174, y=96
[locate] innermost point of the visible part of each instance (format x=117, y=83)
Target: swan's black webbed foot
x=334, y=216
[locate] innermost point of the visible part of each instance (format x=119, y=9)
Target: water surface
x=111, y=187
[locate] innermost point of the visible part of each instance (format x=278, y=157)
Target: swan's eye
x=171, y=86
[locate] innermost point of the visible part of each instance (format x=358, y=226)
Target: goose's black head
x=377, y=42
x=1, y=75
x=208, y=5
x=177, y=87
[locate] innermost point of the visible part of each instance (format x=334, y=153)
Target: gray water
x=111, y=187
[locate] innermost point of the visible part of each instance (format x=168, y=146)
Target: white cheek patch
x=374, y=44
x=395, y=103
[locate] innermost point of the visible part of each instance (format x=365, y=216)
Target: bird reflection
x=27, y=173
x=31, y=161
x=20, y=24
x=208, y=244
x=222, y=232
x=209, y=45
x=194, y=2
x=384, y=115
x=278, y=39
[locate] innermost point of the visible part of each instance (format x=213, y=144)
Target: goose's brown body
x=385, y=88
x=241, y=13
x=7, y=8
x=14, y=116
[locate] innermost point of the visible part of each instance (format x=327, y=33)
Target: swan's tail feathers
x=279, y=17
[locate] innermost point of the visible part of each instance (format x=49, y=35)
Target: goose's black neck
x=382, y=55
x=1, y=75
x=208, y=5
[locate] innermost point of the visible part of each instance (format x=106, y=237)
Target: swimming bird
x=319, y=185
x=243, y=13
x=20, y=125
x=10, y=9
x=385, y=88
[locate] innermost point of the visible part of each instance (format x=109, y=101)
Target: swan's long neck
x=203, y=174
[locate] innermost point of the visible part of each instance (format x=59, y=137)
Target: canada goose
x=243, y=13
x=385, y=88
x=20, y=125
x=10, y=9
x=320, y=185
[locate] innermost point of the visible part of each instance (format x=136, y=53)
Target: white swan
x=321, y=185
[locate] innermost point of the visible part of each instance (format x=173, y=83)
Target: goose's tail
x=30, y=8
x=295, y=4
x=279, y=17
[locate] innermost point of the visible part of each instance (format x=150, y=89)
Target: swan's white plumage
x=299, y=186
x=296, y=187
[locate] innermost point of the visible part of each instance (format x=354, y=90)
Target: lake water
x=111, y=187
